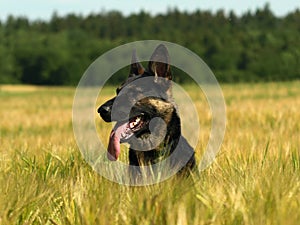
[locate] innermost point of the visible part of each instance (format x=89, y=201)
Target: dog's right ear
x=159, y=63
x=136, y=68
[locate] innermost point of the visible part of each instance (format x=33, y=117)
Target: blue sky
x=43, y=9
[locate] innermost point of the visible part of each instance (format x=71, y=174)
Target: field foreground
x=254, y=180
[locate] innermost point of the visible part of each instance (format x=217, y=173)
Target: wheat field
x=255, y=178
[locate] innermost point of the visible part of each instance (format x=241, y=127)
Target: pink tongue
x=114, y=142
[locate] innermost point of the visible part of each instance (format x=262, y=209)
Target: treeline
x=256, y=46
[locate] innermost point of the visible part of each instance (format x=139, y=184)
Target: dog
x=147, y=118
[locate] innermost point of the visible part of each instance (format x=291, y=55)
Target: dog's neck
x=166, y=147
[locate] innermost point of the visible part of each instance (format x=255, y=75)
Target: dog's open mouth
x=122, y=132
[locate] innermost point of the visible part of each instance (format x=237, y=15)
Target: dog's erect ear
x=159, y=63
x=136, y=68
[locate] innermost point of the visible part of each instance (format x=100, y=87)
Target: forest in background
x=254, y=47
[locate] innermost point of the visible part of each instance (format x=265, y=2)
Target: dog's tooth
x=135, y=122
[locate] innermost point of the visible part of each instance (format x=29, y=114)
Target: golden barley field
x=255, y=178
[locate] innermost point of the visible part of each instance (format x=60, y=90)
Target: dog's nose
x=103, y=109
x=105, y=112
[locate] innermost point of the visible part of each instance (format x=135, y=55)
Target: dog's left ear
x=136, y=68
x=159, y=63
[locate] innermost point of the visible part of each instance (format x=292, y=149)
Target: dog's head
x=143, y=106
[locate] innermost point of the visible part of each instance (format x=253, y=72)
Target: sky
x=43, y=9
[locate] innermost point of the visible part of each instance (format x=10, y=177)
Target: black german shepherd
x=146, y=116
